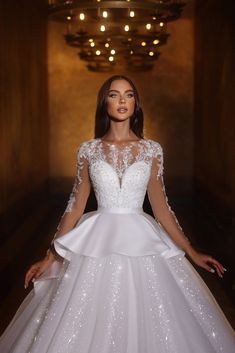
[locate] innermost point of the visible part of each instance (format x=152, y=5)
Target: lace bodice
x=120, y=174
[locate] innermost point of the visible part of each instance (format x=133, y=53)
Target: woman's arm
x=73, y=212
x=78, y=197
x=166, y=217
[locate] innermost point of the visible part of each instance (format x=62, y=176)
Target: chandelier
x=109, y=33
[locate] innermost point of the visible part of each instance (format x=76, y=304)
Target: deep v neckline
x=116, y=148
x=120, y=180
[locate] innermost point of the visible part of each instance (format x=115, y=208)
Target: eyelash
x=114, y=94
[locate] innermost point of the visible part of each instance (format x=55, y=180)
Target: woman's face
x=120, y=100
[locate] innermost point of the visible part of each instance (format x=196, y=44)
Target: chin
x=120, y=117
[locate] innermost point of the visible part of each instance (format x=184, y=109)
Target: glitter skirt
x=117, y=303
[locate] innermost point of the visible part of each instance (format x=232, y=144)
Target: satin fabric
x=100, y=233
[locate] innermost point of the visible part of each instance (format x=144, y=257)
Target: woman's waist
x=119, y=209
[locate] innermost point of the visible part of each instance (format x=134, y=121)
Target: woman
x=117, y=279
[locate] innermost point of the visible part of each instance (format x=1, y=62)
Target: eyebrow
x=115, y=90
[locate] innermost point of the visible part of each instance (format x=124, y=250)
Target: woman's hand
x=203, y=260
x=37, y=269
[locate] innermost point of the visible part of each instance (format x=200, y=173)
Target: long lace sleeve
x=78, y=196
x=158, y=199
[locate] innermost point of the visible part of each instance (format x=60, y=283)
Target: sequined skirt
x=117, y=303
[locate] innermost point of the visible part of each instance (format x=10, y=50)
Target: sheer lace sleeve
x=158, y=199
x=78, y=196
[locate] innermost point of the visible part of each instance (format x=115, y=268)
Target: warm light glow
x=112, y=51
x=161, y=24
x=69, y=18
x=92, y=44
x=131, y=52
x=129, y=39
x=111, y=58
x=148, y=26
x=90, y=40
x=151, y=53
x=143, y=44
x=126, y=28
x=132, y=13
x=154, y=17
x=105, y=14
x=102, y=28
x=107, y=45
x=156, y=41
x=98, y=52
x=82, y=16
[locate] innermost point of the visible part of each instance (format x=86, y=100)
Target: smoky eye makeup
x=114, y=93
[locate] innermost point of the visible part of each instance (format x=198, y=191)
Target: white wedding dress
x=122, y=284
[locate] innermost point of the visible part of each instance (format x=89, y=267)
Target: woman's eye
x=130, y=95
x=112, y=95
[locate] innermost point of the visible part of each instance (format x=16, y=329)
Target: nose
x=122, y=99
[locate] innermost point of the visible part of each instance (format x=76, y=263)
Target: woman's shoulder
x=86, y=146
x=155, y=146
x=87, y=143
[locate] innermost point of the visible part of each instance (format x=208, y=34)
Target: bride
x=116, y=279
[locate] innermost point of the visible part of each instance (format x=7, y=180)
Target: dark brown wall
x=215, y=129
x=214, y=105
x=23, y=133
x=23, y=102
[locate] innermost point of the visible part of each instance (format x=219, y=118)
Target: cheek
x=132, y=105
x=111, y=105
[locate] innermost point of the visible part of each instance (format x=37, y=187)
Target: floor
x=189, y=218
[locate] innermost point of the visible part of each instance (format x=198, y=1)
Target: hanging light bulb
x=111, y=58
x=132, y=13
x=126, y=28
x=92, y=44
x=90, y=40
x=112, y=51
x=143, y=44
x=151, y=53
x=161, y=24
x=69, y=18
x=105, y=14
x=102, y=28
x=82, y=16
x=98, y=52
x=106, y=45
x=148, y=26
x=156, y=41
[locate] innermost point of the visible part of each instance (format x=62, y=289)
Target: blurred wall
x=215, y=129
x=166, y=94
x=214, y=107
x=23, y=109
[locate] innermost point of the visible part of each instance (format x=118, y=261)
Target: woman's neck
x=112, y=136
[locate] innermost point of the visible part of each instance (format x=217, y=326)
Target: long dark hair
x=102, y=121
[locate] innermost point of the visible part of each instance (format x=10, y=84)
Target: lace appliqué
x=120, y=157
x=158, y=153
x=81, y=154
x=120, y=160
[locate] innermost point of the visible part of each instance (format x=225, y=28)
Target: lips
x=122, y=110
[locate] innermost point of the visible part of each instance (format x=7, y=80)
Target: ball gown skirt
x=123, y=287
